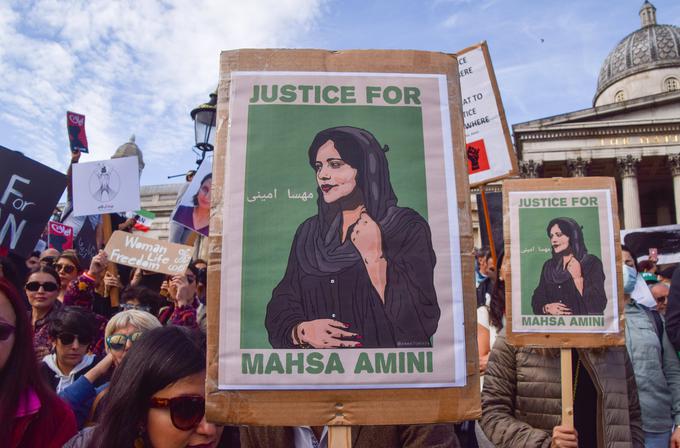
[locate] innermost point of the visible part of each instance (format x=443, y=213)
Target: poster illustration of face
x=562, y=252
x=193, y=210
x=340, y=242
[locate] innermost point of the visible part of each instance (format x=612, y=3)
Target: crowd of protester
x=77, y=371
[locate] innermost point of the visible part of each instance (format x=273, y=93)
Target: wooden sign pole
x=567, y=388
x=114, y=293
x=487, y=218
x=339, y=437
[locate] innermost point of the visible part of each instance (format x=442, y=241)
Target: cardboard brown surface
x=152, y=255
x=341, y=407
x=563, y=340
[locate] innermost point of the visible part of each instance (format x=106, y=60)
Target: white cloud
x=129, y=66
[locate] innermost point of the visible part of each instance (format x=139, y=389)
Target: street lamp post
x=204, y=126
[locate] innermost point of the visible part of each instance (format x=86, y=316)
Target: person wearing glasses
x=42, y=289
x=31, y=414
x=156, y=397
x=183, y=307
x=122, y=331
x=68, y=267
x=48, y=257
x=71, y=330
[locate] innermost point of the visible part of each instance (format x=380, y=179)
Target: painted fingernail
x=359, y=344
x=346, y=325
x=359, y=336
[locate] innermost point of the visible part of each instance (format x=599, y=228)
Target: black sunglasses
x=6, y=330
x=68, y=338
x=48, y=260
x=68, y=268
x=186, y=411
x=47, y=286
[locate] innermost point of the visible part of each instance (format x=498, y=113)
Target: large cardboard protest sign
x=562, y=239
x=147, y=253
x=29, y=191
x=106, y=186
x=59, y=236
x=193, y=210
x=315, y=133
x=487, y=137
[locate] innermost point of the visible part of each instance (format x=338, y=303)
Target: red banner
x=75, y=124
x=59, y=236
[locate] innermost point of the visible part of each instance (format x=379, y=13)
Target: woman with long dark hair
x=491, y=315
x=42, y=290
x=572, y=281
x=198, y=216
x=157, y=396
x=31, y=415
x=361, y=271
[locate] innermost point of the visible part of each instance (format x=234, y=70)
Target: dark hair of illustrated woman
x=161, y=357
x=573, y=230
x=194, y=199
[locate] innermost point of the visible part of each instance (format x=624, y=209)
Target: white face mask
x=629, y=279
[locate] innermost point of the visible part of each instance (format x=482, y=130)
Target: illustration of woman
x=572, y=281
x=198, y=216
x=360, y=272
x=104, y=193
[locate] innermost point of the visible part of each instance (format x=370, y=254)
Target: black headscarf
x=569, y=227
x=319, y=248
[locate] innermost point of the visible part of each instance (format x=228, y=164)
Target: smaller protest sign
x=29, y=191
x=75, y=125
x=193, y=210
x=487, y=137
x=147, y=253
x=562, y=240
x=106, y=186
x=59, y=236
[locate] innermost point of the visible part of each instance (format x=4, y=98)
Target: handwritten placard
x=148, y=254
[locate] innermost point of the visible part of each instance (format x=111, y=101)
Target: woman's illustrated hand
x=325, y=333
x=99, y=263
x=367, y=238
x=564, y=437
x=556, y=309
x=574, y=267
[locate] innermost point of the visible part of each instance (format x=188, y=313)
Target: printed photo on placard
x=340, y=245
x=106, y=186
x=193, y=210
x=562, y=252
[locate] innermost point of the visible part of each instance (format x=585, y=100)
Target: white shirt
x=305, y=438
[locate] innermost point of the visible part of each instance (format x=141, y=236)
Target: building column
x=578, y=167
x=529, y=169
x=627, y=166
x=674, y=163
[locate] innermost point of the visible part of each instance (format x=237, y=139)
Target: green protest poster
x=562, y=257
x=341, y=262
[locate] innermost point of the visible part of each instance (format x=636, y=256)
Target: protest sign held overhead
x=59, y=236
x=312, y=133
x=75, y=125
x=193, y=210
x=487, y=137
x=148, y=254
x=106, y=186
x=29, y=191
x=562, y=240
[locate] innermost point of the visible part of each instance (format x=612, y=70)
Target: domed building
x=632, y=132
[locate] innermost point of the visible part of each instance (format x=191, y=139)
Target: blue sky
x=140, y=67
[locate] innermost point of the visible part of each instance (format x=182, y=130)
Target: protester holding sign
x=656, y=367
x=522, y=405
